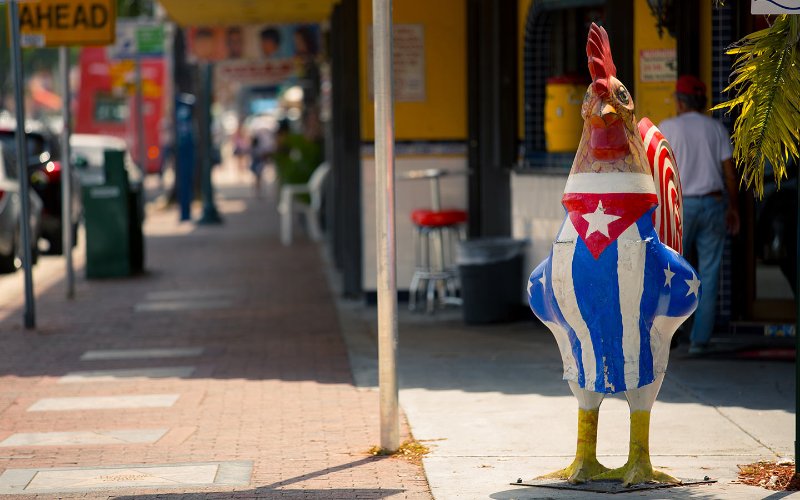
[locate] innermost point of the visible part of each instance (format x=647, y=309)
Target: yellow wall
x=653, y=100
x=443, y=115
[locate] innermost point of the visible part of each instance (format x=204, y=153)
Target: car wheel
x=56, y=246
x=8, y=263
x=34, y=253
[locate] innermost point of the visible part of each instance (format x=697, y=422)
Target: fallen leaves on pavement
x=770, y=475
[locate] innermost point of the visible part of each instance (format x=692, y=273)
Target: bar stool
x=436, y=232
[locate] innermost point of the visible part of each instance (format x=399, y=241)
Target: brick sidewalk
x=269, y=383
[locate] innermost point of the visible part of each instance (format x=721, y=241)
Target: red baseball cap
x=690, y=85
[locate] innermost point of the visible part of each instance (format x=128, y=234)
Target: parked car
x=87, y=151
x=44, y=169
x=11, y=215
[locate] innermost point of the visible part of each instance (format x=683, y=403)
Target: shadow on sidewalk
x=279, y=490
x=264, y=311
x=699, y=492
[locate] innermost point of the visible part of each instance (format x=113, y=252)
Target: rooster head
x=611, y=139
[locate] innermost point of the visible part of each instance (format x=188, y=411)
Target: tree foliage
x=766, y=86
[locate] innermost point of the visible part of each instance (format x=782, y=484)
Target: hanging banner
x=53, y=23
x=253, y=42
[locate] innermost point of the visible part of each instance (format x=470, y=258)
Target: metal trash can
x=490, y=270
x=113, y=215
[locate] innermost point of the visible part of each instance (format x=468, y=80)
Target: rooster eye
x=622, y=95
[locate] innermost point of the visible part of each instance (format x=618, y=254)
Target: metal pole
x=210, y=213
x=384, y=201
x=22, y=161
x=797, y=341
x=141, y=142
x=66, y=173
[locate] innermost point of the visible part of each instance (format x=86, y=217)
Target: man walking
x=703, y=153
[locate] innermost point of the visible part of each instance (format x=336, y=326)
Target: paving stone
x=168, y=352
x=84, y=437
x=127, y=374
x=182, y=305
x=105, y=402
x=76, y=479
x=188, y=294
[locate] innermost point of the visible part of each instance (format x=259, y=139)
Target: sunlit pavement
x=490, y=402
x=219, y=373
x=223, y=370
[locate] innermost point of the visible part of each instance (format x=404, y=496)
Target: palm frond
x=766, y=89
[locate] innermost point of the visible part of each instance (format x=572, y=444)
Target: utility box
x=113, y=217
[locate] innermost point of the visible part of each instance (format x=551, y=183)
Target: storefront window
x=555, y=79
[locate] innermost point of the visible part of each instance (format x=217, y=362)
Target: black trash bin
x=491, y=278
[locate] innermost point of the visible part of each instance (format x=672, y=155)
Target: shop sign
x=408, y=64
x=774, y=7
x=52, y=23
x=658, y=65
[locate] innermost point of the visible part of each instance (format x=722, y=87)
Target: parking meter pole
x=385, y=205
x=797, y=343
x=184, y=158
x=66, y=173
x=22, y=161
x=140, y=143
x=210, y=213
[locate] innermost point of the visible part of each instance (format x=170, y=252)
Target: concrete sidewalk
x=491, y=404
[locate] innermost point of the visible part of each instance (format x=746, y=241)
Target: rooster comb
x=601, y=64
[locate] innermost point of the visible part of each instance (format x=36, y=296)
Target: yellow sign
x=52, y=23
x=123, y=80
x=123, y=77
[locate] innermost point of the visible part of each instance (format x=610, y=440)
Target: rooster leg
x=585, y=464
x=638, y=468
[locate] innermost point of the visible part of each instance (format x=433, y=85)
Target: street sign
x=53, y=23
x=146, y=36
x=775, y=7
x=150, y=39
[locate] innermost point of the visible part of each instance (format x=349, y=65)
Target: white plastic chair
x=290, y=205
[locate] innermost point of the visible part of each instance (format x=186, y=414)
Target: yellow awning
x=215, y=12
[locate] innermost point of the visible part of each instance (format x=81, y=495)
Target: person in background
x=262, y=148
x=203, y=43
x=703, y=154
x=241, y=148
x=270, y=42
x=234, y=40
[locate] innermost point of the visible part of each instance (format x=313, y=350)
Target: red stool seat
x=441, y=218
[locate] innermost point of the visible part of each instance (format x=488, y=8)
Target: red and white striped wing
x=668, y=217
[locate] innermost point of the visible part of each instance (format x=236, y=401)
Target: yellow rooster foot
x=636, y=472
x=580, y=471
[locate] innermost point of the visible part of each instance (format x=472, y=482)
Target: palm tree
x=766, y=86
x=766, y=89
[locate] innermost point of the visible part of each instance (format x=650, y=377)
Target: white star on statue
x=668, y=274
x=694, y=286
x=543, y=279
x=599, y=221
x=530, y=284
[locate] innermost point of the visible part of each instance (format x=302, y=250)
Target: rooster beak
x=604, y=116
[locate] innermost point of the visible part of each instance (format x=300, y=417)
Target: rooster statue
x=615, y=288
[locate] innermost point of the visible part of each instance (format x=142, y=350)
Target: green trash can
x=113, y=215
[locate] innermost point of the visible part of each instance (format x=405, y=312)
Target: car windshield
x=34, y=142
